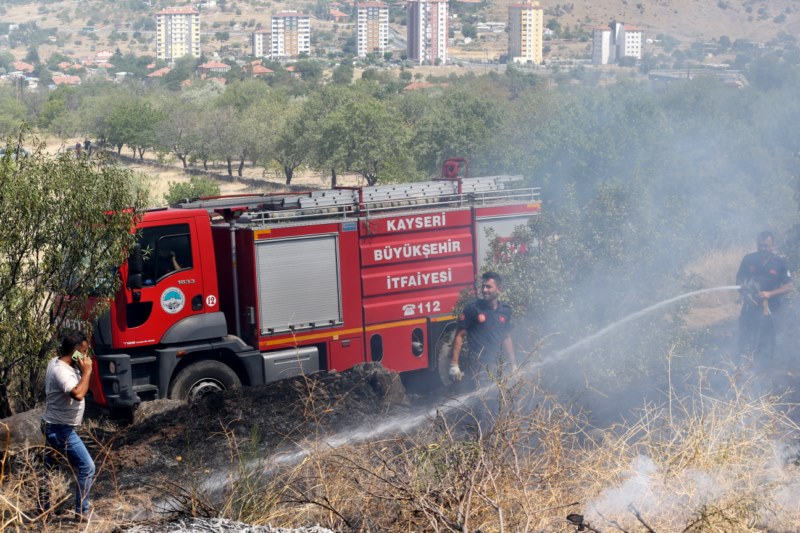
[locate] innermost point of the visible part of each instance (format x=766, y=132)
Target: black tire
x=203, y=378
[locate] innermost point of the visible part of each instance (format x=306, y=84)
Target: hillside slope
x=686, y=20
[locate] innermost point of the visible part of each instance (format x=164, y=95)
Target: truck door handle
x=197, y=303
x=345, y=343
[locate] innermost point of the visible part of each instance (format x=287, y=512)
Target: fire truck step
x=145, y=388
x=143, y=360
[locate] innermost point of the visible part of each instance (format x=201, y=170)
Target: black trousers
x=756, y=332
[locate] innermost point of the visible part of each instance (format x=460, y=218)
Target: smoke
x=649, y=196
x=673, y=497
x=638, y=489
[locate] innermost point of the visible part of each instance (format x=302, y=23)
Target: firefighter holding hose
x=486, y=324
x=763, y=279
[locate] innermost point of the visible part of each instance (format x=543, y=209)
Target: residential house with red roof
x=260, y=70
x=338, y=16
x=160, y=73
x=22, y=66
x=212, y=67
x=66, y=80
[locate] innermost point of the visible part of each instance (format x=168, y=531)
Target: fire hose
x=751, y=296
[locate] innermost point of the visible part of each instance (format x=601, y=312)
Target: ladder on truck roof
x=367, y=201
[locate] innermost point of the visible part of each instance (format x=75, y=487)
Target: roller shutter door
x=298, y=283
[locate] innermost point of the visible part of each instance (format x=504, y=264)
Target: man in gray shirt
x=65, y=388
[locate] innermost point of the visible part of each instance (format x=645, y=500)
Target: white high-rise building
x=602, y=46
x=291, y=34
x=525, y=29
x=372, y=28
x=615, y=41
x=177, y=33
x=629, y=43
x=261, y=41
x=427, y=31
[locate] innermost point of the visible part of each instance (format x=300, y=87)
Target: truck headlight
x=112, y=367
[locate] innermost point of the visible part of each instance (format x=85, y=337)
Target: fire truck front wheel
x=201, y=379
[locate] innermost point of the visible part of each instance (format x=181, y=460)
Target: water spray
x=633, y=316
x=407, y=423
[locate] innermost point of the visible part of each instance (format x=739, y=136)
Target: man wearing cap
x=486, y=325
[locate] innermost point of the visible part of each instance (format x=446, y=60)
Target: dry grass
x=706, y=462
x=716, y=269
x=711, y=462
x=516, y=459
x=24, y=481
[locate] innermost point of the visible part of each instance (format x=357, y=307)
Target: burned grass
x=513, y=458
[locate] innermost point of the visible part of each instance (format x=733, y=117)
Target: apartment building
x=615, y=41
x=291, y=34
x=372, y=28
x=426, y=22
x=261, y=41
x=525, y=29
x=630, y=42
x=177, y=33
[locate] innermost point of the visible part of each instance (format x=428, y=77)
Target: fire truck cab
x=246, y=290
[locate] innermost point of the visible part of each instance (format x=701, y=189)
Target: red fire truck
x=249, y=289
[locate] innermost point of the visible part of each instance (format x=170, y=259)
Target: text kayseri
x=418, y=222
x=410, y=251
x=419, y=279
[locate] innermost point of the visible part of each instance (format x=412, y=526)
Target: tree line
x=637, y=179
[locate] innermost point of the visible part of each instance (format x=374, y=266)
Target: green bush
x=196, y=188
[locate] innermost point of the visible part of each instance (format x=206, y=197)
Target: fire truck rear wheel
x=201, y=379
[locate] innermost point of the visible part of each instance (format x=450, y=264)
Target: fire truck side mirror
x=134, y=281
x=135, y=268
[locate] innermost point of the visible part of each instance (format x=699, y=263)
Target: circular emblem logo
x=211, y=300
x=172, y=300
x=481, y=317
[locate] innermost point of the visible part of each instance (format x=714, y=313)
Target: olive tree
x=66, y=227
x=291, y=149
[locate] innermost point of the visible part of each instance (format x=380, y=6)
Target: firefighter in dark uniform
x=763, y=278
x=486, y=324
